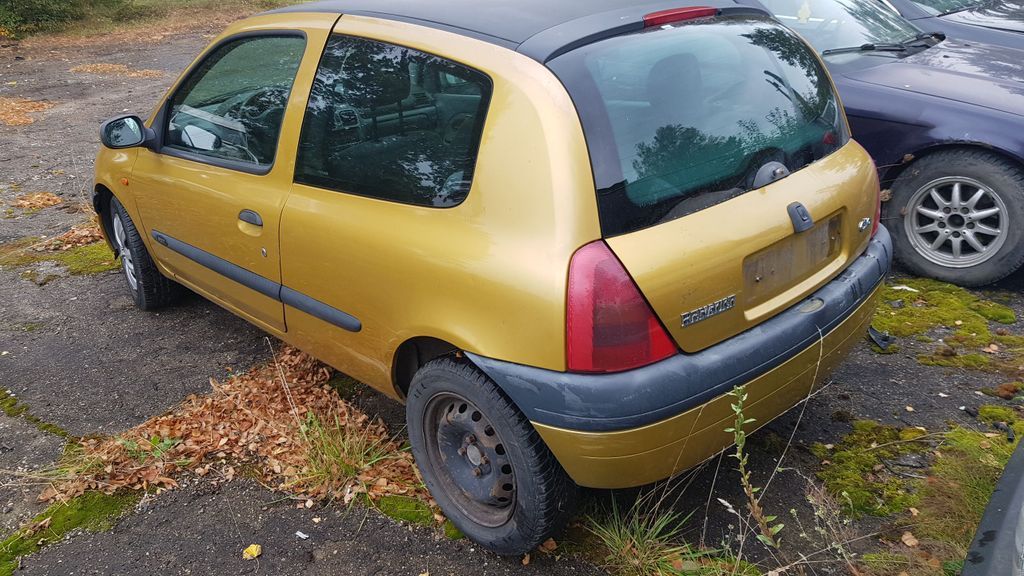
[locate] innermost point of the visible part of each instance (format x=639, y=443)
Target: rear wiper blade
x=880, y=46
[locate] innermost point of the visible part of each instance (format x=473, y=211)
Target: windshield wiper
x=880, y=47
x=924, y=36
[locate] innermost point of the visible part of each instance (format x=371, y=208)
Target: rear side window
x=681, y=117
x=393, y=123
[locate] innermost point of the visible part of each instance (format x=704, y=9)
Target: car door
x=384, y=161
x=210, y=195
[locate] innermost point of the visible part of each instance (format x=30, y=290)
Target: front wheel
x=483, y=462
x=149, y=289
x=958, y=216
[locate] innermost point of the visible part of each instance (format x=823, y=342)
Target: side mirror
x=125, y=132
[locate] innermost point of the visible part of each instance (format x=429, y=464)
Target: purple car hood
x=978, y=74
x=998, y=15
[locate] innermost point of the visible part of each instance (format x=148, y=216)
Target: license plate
x=780, y=266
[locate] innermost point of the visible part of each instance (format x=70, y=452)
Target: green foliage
x=92, y=511
x=451, y=532
x=339, y=449
x=20, y=17
x=768, y=533
x=851, y=474
x=154, y=449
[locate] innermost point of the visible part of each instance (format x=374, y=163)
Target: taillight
x=678, y=14
x=609, y=326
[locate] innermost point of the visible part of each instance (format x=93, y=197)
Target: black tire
x=151, y=290
x=542, y=496
x=1000, y=177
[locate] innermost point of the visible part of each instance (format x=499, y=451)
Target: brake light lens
x=678, y=14
x=609, y=325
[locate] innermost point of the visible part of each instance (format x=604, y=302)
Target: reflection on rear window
x=681, y=117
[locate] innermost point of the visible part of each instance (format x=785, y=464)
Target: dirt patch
x=18, y=111
x=106, y=69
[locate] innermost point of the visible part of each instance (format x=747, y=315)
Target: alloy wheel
x=956, y=222
x=126, y=255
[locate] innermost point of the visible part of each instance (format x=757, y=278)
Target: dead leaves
x=909, y=540
x=79, y=235
x=36, y=201
x=17, y=111
x=106, y=69
x=250, y=419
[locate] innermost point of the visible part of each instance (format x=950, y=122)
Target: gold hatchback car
x=561, y=233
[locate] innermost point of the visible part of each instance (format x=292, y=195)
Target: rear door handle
x=250, y=217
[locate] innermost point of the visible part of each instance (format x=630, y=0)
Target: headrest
x=374, y=75
x=674, y=82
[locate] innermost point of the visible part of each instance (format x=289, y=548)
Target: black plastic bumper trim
x=623, y=400
x=264, y=286
x=998, y=546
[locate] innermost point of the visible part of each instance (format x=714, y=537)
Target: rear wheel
x=958, y=216
x=483, y=462
x=149, y=289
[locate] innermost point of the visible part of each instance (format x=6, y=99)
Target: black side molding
x=314, y=307
x=264, y=286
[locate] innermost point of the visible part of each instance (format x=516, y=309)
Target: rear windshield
x=681, y=117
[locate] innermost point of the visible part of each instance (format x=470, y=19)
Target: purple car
x=944, y=122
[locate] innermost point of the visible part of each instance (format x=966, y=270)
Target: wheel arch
x=412, y=354
x=890, y=175
x=101, y=204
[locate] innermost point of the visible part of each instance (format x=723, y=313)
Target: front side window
x=232, y=106
x=682, y=117
x=393, y=123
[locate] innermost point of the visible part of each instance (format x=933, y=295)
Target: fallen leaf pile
x=36, y=201
x=16, y=111
x=106, y=69
x=252, y=419
x=79, y=235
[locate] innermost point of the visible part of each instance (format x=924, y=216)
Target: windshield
x=837, y=24
x=681, y=117
x=947, y=6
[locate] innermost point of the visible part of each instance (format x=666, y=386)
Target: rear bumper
x=635, y=427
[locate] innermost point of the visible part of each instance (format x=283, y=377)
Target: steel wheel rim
x=126, y=255
x=470, y=459
x=956, y=222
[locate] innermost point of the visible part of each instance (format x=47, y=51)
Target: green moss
x=969, y=361
x=89, y=259
x=851, y=474
x=892, y=349
x=405, y=509
x=451, y=532
x=990, y=414
x=966, y=316
x=17, y=253
x=12, y=407
x=92, y=511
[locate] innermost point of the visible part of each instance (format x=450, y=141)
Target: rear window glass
x=681, y=117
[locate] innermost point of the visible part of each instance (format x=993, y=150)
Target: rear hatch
x=726, y=182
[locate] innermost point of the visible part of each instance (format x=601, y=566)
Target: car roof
x=540, y=29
